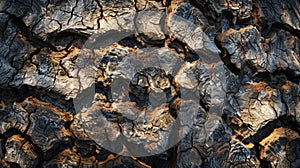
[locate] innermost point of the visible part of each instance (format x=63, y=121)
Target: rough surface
x=142, y=83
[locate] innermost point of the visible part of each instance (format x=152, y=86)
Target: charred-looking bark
x=149, y=83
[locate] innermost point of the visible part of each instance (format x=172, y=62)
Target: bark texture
x=240, y=61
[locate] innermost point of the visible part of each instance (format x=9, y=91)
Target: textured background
x=241, y=58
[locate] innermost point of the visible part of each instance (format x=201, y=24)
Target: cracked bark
x=247, y=82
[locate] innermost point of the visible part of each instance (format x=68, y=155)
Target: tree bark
x=141, y=83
